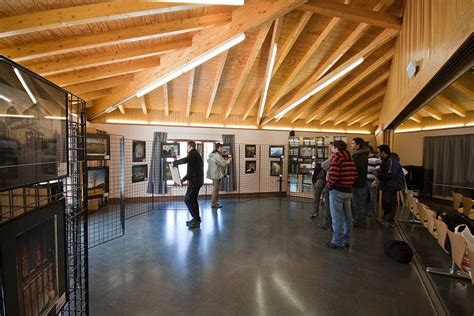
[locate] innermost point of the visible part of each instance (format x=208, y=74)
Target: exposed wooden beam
x=78, y=63
x=354, y=13
x=370, y=119
x=166, y=99
x=89, y=96
x=78, y=15
x=143, y=105
x=380, y=40
x=257, y=92
x=368, y=112
x=102, y=72
x=217, y=79
x=131, y=34
x=244, y=18
x=297, y=68
x=239, y=84
x=189, y=98
x=209, y=2
x=295, y=33
x=100, y=84
x=349, y=112
x=432, y=112
x=451, y=106
x=463, y=89
x=326, y=105
x=122, y=110
x=415, y=118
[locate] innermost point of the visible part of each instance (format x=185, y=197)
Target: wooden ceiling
x=107, y=51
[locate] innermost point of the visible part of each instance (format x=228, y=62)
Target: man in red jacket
x=342, y=175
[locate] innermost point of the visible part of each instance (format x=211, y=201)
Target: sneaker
x=188, y=223
x=385, y=224
x=315, y=214
x=216, y=206
x=194, y=224
x=329, y=244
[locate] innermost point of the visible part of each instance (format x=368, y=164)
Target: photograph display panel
x=98, y=146
x=226, y=150
x=138, y=151
x=276, y=151
x=305, y=168
x=139, y=173
x=276, y=168
x=97, y=181
x=250, y=151
x=307, y=152
x=250, y=166
x=33, y=131
x=170, y=150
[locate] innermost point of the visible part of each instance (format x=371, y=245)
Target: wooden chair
x=458, y=251
x=457, y=200
x=467, y=208
x=430, y=217
x=412, y=207
x=442, y=232
x=422, y=213
x=470, y=254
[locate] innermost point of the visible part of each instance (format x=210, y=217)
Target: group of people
x=349, y=184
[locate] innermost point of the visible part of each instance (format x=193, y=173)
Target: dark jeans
x=318, y=188
x=359, y=202
x=326, y=217
x=191, y=198
x=389, y=205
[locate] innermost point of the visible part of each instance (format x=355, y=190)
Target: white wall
x=409, y=146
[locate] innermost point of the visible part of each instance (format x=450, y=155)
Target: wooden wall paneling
x=189, y=99
x=431, y=33
x=370, y=111
x=89, y=96
x=166, y=99
x=100, y=84
x=217, y=80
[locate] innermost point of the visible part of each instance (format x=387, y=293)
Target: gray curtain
x=229, y=183
x=452, y=160
x=156, y=185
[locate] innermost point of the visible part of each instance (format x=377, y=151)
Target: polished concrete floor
x=257, y=257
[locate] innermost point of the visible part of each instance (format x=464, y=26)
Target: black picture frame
x=138, y=151
x=250, y=166
x=27, y=124
x=276, y=168
x=98, y=146
x=306, y=152
x=97, y=182
x=139, y=173
x=276, y=151
x=170, y=150
x=305, y=168
x=250, y=151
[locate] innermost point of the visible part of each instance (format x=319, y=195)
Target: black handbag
x=399, y=251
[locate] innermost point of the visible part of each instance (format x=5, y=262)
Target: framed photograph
x=167, y=172
x=97, y=181
x=226, y=150
x=30, y=131
x=276, y=151
x=138, y=151
x=250, y=151
x=139, y=173
x=98, y=146
x=170, y=150
x=276, y=168
x=306, y=152
x=305, y=168
x=250, y=166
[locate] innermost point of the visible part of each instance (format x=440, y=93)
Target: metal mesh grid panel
x=106, y=210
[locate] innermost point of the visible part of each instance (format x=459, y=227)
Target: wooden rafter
x=353, y=110
x=102, y=72
x=383, y=38
x=217, y=80
x=122, y=110
x=245, y=18
x=368, y=112
x=432, y=112
x=78, y=15
x=254, y=99
x=294, y=35
x=166, y=99
x=131, y=34
x=189, y=98
x=309, y=53
x=415, y=118
x=89, y=96
x=354, y=13
x=451, y=106
x=463, y=89
x=101, y=84
x=143, y=105
x=78, y=63
x=370, y=119
x=331, y=114
x=262, y=34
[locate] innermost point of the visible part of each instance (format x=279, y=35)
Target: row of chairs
x=425, y=216
x=466, y=202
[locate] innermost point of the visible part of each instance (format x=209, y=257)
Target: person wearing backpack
x=342, y=175
x=319, y=182
x=391, y=181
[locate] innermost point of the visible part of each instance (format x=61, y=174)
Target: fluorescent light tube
x=242, y=126
x=192, y=64
x=126, y=122
x=5, y=98
x=322, y=86
x=55, y=117
x=169, y=123
x=267, y=81
x=25, y=86
x=398, y=131
x=17, y=115
x=428, y=128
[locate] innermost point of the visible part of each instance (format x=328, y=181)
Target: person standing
x=195, y=177
x=372, y=187
x=319, y=182
x=326, y=221
x=216, y=171
x=391, y=181
x=342, y=175
x=360, y=156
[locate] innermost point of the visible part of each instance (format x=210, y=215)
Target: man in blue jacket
x=391, y=181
